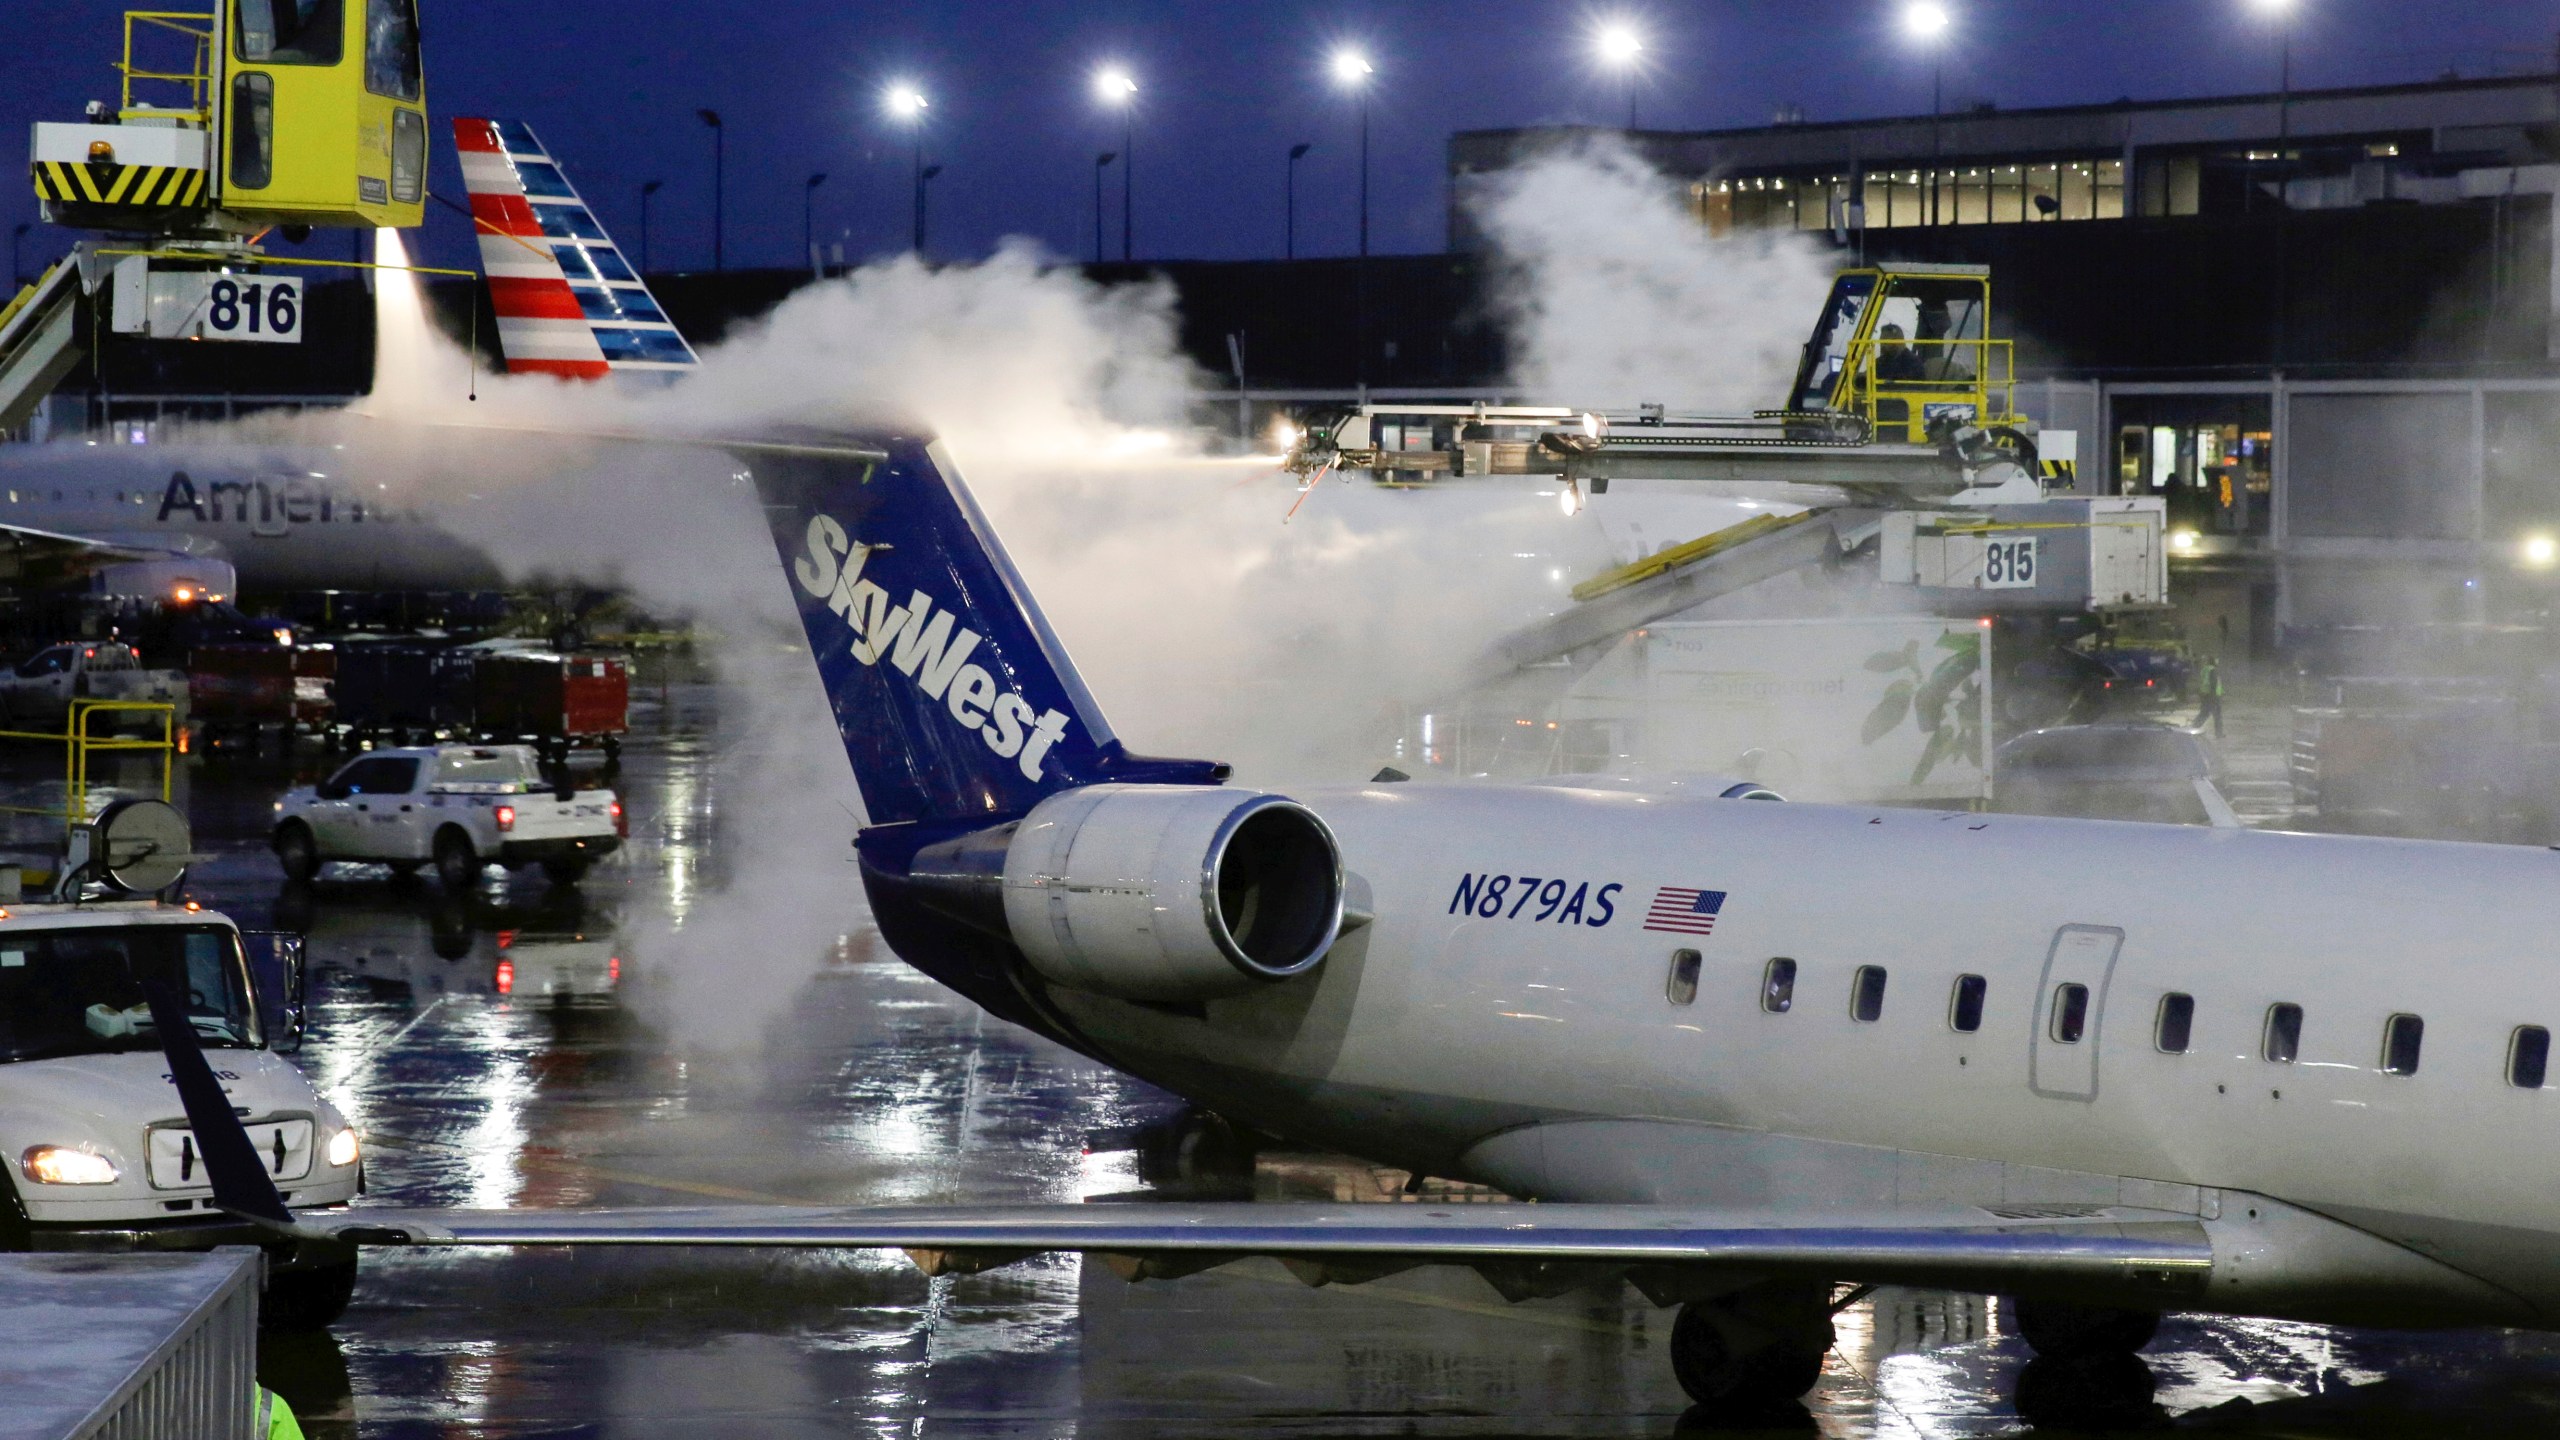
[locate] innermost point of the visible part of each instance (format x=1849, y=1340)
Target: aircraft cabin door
x=2071, y=1001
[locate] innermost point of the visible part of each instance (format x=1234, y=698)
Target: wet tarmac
x=511, y=1047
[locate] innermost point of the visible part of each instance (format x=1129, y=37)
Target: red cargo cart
x=553, y=701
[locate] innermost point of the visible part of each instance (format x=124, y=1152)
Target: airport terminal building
x=2322, y=323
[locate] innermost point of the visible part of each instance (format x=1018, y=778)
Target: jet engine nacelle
x=1172, y=892
x=1166, y=893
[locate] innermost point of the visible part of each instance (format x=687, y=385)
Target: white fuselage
x=1551, y=1058
x=285, y=518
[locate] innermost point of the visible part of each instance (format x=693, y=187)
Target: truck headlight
x=342, y=1149
x=62, y=1165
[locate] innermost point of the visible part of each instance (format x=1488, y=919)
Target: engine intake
x=1155, y=892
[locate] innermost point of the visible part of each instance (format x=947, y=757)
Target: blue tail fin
x=955, y=699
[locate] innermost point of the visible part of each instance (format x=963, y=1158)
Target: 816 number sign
x=253, y=308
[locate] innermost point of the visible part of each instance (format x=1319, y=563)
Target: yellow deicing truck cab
x=1908, y=348
x=323, y=117
x=255, y=114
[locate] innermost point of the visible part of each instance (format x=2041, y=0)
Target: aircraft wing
x=1521, y=1248
x=48, y=558
x=1950, y=1244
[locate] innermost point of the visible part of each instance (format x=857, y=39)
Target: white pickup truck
x=459, y=807
x=40, y=690
x=95, y=1149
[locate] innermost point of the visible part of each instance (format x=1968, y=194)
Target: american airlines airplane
x=215, y=518
x=1745, y=1055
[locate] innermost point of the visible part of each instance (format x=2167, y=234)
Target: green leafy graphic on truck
x=1927, y=686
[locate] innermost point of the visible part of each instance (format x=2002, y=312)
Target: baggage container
x=241, y=684
x=402, y=688
x=546, y=697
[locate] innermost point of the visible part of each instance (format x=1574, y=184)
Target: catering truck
x=98, y=1152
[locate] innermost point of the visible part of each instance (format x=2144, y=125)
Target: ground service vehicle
x=2117, y=770
x=462, y=807
x=245, y=117
x=97, y=1153
x=39, y=690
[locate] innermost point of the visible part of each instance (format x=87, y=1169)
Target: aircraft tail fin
x=956, y=701
x=568, y=301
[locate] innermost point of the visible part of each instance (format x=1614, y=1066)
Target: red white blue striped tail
x=568, y=303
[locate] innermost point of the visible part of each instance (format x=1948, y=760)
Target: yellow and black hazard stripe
x=2060, y=472
x=148, y=186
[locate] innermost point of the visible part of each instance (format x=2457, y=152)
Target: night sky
x=1225, y=89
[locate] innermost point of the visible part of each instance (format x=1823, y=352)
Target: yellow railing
x=197, y=78
x=79, y=742
x=1991, y=387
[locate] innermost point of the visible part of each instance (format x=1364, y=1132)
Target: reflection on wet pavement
x=507, y=1048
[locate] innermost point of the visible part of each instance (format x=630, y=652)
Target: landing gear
x=2076, y=1332
x=2086, y=1374
x=1754, y=1350
x=307, y=1299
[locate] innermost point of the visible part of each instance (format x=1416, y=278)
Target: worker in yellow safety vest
x=275, y=1418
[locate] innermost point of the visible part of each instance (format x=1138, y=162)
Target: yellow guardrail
x=79, y=742
x=1992, y=388
x=197, y=77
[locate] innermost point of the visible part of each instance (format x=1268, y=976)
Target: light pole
x=906, y=105
x=647, y=189
x=1927, y=21
x=2281, y=12
x=1116, y=88
x=1099, y=161
x=808, y=214
x=17, y=276
x=1351, y=71
x=924, y=178
x=1289, y=247
x=719, y=189
x=1619, y=47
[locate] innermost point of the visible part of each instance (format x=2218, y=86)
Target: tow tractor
x=249, y=119
x=95, y=1150
x=1900, y=438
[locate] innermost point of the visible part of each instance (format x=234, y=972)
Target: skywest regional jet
x=1744, y=1053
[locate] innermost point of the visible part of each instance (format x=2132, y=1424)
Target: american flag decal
x=1684, y=912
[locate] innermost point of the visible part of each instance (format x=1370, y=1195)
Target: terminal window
x=1994, y=194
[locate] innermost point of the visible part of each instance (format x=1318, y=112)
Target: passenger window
x=2070, y=1013
x=2528, y=1057
x=1866, y=994
x=1683, y=988
x=1778, y=987
x=1964, y=1014
x=2175, y=1027
x=2283, y=1038
x=2401, y=1038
